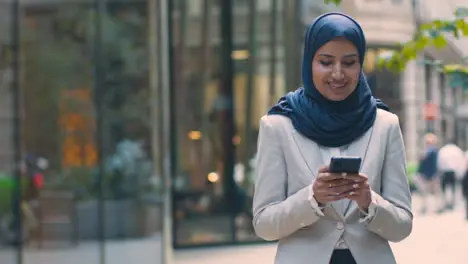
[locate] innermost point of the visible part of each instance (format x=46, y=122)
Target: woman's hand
x=362, y=195
x=330, y=187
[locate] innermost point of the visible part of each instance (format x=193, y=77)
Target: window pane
x=131, y=209
x=60, y=123
x=254, y=94
x=8, y=249
x=202, y=213
x=58, y=134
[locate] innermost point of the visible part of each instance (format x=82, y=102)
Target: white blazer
x=286, y=167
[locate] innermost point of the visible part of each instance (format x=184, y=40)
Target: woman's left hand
x=361, y=194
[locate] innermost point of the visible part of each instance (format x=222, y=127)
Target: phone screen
x=345, y=165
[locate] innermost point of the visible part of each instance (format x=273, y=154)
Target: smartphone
x=345, y=165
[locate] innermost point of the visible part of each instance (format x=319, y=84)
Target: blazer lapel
x=358, y=149
x=312, y=157
x=310, y=153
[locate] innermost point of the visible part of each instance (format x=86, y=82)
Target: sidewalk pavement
x=258, y=254
x=435, y=239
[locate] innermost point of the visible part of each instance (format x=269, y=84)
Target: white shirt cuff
x=366, y=217
x=315, y=206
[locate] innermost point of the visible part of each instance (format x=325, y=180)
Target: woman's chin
x=338, y=94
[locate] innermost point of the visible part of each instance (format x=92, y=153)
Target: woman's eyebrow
x=345, y=56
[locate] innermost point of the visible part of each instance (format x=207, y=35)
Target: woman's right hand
x=330, y=187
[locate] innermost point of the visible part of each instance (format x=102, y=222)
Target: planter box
x=122, y=219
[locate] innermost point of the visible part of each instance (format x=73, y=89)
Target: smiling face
x=336, y=69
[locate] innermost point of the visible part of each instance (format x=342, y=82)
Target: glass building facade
x=78, y=181
x=82, y=151
x=228, y=67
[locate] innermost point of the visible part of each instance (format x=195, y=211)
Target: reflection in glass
x=212, y=203
x=131, y=209
x=201, y=212
x=258, y=84
x=59, y=134
x=8, y=182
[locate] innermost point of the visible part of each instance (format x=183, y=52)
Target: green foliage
x=335, y=2
x=81, y=180
x=431, y=34
x=411, y=169
x=434, y=34
x=458, y=75
x=6, y=193
x=7, y=186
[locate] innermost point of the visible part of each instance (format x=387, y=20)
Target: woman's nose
x=337, y=73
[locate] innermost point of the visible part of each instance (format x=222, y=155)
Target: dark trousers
x=448, y=180
x=342, y=256
x=464, y=184
x=466, y=208
x=465, y=192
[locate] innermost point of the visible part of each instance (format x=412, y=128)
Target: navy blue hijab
x=330, y=123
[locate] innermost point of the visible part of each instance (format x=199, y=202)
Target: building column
x=160, y=14
x=461, y=131
x=436, y=88
x=449, y=114
x=413, y=97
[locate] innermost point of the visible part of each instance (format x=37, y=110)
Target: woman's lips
x=337, y=85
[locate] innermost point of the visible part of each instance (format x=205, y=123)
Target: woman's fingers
x=326, y=176
x=332, y=187
x=337, y=190
x=344, y=189
x=361, y=177
x=327, y=198
x=323, y=169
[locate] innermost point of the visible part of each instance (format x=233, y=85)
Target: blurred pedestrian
x=427, y=180
x=464, y=185
x=318, y=216
x=451, y=164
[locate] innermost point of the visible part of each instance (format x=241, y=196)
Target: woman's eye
x=326, y=63
x=349, y=63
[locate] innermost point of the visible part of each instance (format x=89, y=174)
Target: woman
x=319, y=217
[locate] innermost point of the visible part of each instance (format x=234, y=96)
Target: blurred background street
x=128, y=128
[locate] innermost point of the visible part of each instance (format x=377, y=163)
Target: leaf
x=434, y=33
x=438, y=23
x=449, y=27
x=464, y=30
x=429, y=34
x=426, y=26
x=336, y=2
x=439, y=41
x=453, y=68
x=410, y=51
x=422, y=43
